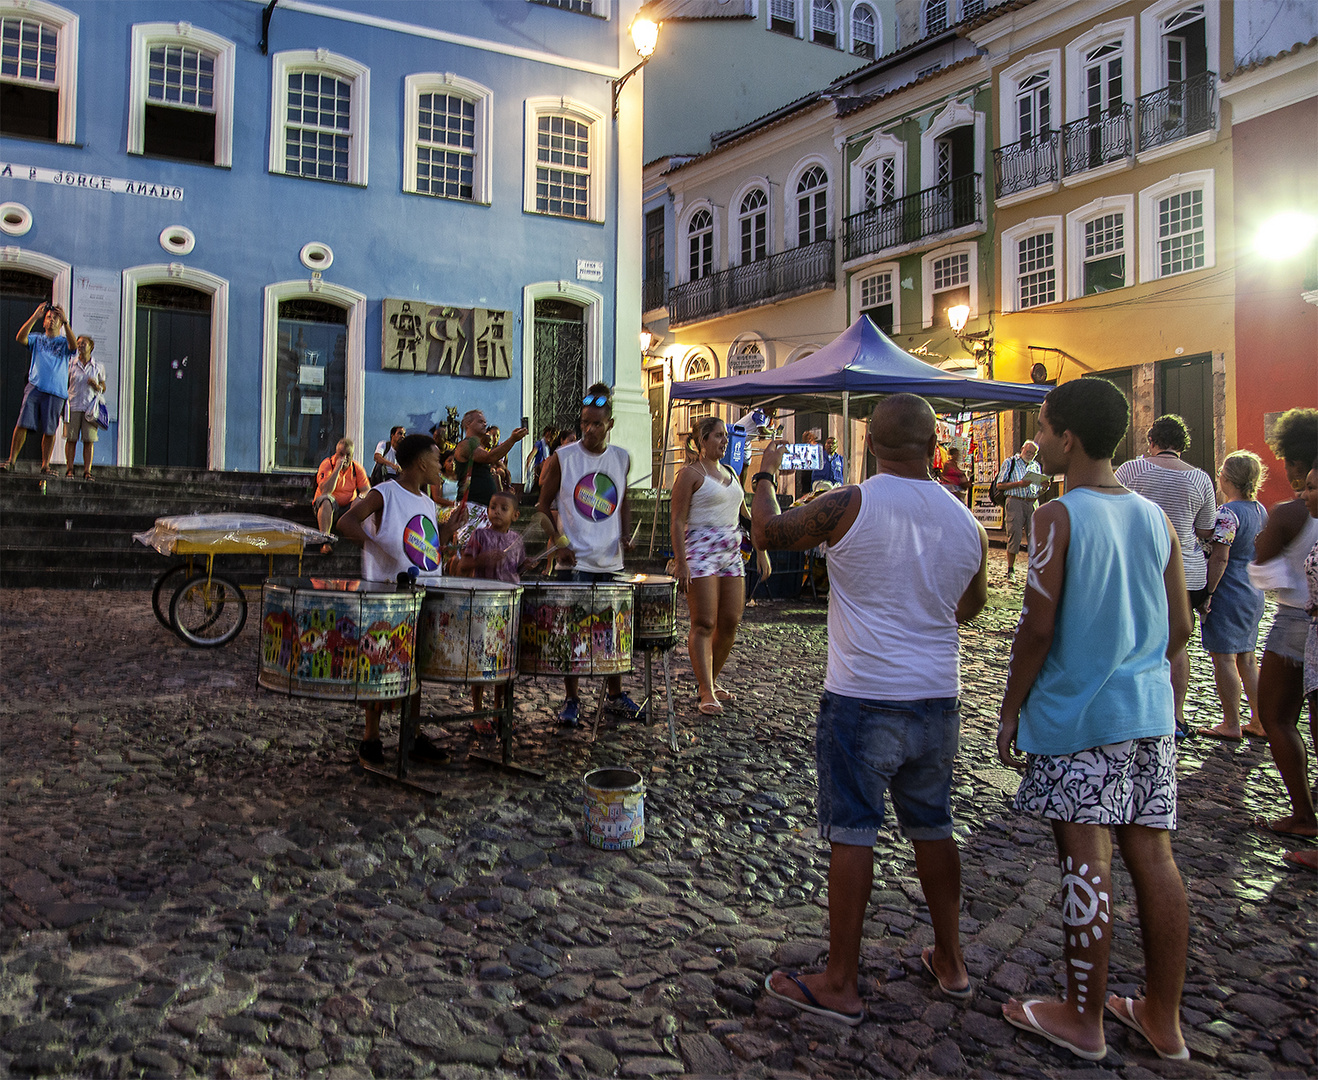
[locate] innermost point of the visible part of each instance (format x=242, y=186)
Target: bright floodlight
x=957, y=316
x=647, y=339
x=645, y=35
x=1285, y=234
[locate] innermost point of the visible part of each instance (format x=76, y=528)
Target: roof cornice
x=1026, y=26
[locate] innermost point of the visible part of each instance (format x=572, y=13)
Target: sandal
x=5, y=466
x=727, y=697
x=68, y=474
x=87, y=476
x=711, y=708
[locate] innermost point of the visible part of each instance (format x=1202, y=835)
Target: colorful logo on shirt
x=421, y=543
x=596, y=496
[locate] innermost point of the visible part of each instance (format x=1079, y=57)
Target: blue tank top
x=1106, y=678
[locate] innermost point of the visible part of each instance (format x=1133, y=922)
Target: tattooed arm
x=1050, y=536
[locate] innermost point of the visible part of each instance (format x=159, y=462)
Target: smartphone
x=798, y=457
x=526, y=422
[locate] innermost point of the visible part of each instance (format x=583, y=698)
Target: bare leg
x=372, y=716
x=16, y=443
x=70, y=452
x=1181, y=685
x=1160, y=897
x=88, y=452
x=938, y=864
x=702, y=601
x=1227, y=680
x=1281, y=695
x=850, y=876
x=1085, y=855
x=324, y=520
x=1247, y=666
x=731, y=603
x=47, y=450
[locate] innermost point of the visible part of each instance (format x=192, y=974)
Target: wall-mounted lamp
x=647, y=339
x=957, y=317
x=645, y=36
x=979, y=345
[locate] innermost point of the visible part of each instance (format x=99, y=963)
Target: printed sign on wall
x=95, y=313
x=436, y=339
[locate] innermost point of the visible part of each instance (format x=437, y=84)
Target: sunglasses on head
x=598, y=401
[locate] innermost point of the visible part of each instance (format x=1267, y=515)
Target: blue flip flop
x=811, y=1003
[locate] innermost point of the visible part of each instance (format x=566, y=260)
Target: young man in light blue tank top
x=1089, y=699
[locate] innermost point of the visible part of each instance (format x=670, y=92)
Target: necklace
x=1167, y=453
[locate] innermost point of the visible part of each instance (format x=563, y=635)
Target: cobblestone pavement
x=196, y=878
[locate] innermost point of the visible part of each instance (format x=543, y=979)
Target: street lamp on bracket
x=979, y=345
x=645, y=36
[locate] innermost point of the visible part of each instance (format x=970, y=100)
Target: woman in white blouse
x=86, y=385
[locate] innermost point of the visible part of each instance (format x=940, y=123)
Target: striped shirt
x=1189, y=499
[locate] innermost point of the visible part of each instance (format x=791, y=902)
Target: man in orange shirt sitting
x=338, y=481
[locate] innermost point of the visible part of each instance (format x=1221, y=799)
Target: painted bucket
x=614, y=801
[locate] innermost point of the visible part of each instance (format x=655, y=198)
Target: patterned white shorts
x=714, y=551
x=1125, y=783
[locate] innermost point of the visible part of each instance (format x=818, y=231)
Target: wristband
x=762, y=476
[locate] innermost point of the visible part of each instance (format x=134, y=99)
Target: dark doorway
x=1185, y=387
x=560, y=364
x=172, y=377
x=20, y=293
x=310, y=382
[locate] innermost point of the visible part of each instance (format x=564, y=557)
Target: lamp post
x=645, y=35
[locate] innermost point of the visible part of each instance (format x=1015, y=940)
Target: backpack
x=997, y=496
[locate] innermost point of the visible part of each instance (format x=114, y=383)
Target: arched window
x=864, y=31
x=700, y=245
x=823, y=22
x=935, y=16
x=698, y=366
x=754, y=218
x=812, y=206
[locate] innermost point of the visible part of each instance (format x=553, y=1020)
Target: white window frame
x=1010, y=248
x=1076, y=221
x=66, y=59
x=697, y=409
x=798, y=19
x=1151, y=22
x=683, y=268
x=593, y=303
x=582, y=113
x=1009, y=84
x=734, y=215
x=1122, y=30
x=956, y=114
x=927, y=279
x=789, y=195
x=878, y=28
x=880, y=145
x=839, y=31
x=893, y=271
x=354, y=368
x=145, y=37
x=1148, y=221
x=322, y=62
x=949, y=16
x=445, y=82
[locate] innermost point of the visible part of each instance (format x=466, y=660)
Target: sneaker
x=570, y=714
x=624, y=707
x=424, y=750
x=371, y=752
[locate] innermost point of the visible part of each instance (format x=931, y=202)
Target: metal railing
x=914, y=217
x=1094, y=141
x=788, y=273
x=1022, y=165
x=653, y=292
x=1179, y=111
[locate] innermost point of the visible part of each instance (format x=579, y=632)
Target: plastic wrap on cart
x=232, y=534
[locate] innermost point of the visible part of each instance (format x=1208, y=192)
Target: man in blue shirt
x=47, y=389
x=832, y=470
x=1020, y=478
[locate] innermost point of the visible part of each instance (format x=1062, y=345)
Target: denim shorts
x=864, y=748
x=40, y=412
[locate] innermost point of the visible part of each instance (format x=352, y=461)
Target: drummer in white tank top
x=396, y=527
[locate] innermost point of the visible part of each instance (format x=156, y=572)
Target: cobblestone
x=197, y=878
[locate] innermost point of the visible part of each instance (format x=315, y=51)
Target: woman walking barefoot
x=1233, y=609
x=707, y=505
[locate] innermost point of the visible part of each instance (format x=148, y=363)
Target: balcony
x=789, y=273
x=913, y=218
x=1095, y=141
x=1022, y=166
x=1181, y=110
x=653, y=292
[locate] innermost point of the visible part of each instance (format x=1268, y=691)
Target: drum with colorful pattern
x=576, y=628
x=654, y=614
x=467, y=632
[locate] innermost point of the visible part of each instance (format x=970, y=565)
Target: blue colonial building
x=287, y=222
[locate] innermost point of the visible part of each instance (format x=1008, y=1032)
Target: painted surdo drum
x=338, y=639
x=576, y=628
x=654, y=614
x=467, y=632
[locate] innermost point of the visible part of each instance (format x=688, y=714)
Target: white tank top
x=590, y=504
x=1294, y=554
x=407, y=537
x=894, y=582
x=714, y=504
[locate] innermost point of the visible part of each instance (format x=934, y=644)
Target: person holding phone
x=339, y=481
x=47, y=389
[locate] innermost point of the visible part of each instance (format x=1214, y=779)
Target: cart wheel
x=208, y=610
x=166, y=583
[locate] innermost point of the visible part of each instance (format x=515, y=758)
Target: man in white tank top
x=907, y=563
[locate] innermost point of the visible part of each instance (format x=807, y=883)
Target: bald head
x=901, y=428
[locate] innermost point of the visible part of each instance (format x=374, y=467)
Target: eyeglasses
x=597, y=402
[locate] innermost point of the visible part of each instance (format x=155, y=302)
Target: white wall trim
x=1151, y=20
x=1009, y=246
x=554, y=105
x=1009, y=81
x=578, y=294
x=927, y=279
x=354, y=373
x=893, y=271
x=683, y=255
x=880, y=145
x=218, y=288
x=734, y=218
x=1121, y=29
x=33, y=262
x=324, y=61
x=146, y=35
x=829, y=165
x=956, y=114
x=878, y=27
x=66, y=59
x=1075, y=239
x=432, y=82
x=1148, y=222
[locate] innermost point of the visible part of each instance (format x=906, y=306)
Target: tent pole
x=663, y=468
x=846, y=434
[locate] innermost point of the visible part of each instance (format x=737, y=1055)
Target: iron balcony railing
x=1026, y=164
x=653, y=292
x=788, y=273
x=1181, y=110
x=926, y=213
x=1094, y=141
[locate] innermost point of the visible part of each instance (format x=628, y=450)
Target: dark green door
x=560, y=364
x=20, y=293
x=1186, y=388
x=172, y=377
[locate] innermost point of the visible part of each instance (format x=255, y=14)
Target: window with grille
x=754, y=218
x=583, y=7
x=823, y=22
x=951, y=271
x=864, y=31
x=1033, y=108
x=935, y=16
x=318, y=126
x=812, y=206
x=879, y=182
x=876, y=300
x=698, y=366
x=29, y=77
x=782, y=16
x=179, y=119
x=446, y=146
x=1105, y=254
x=1181, y=240
x=562, y=175
x=1036, y=271
x=971, y=9
x=1103, y=80
x=700, y=245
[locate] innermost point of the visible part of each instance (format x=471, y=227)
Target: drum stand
x=504, y=714
x=406, y=736
x=648, y=701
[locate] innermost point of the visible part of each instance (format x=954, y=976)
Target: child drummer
x=592, y=478
x=395, y=524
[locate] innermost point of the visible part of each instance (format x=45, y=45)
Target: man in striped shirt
x=1020, y=478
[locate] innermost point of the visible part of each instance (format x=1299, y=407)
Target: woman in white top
x=707, y=506
x=86, y=385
